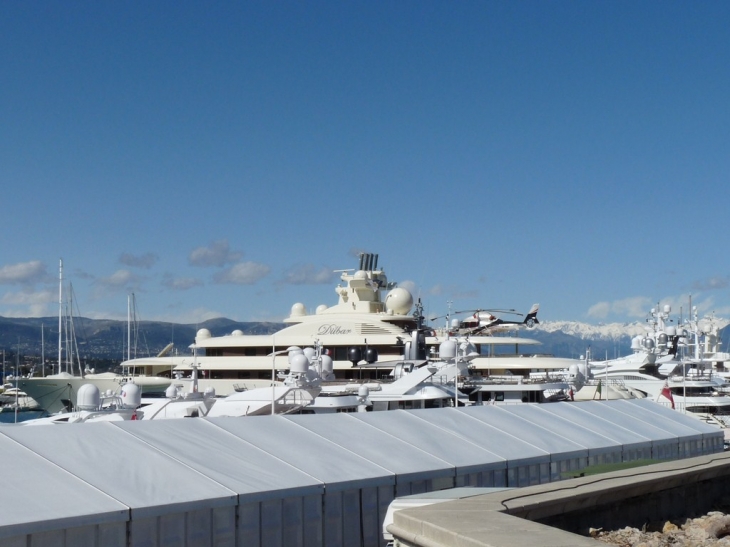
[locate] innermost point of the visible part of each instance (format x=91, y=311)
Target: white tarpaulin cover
x=299, y=480
x=554, y=433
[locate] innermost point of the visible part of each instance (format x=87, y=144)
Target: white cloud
x=633, y=307
x=218, y=253
x=142, y=261
x=121, y=280
x=23, y=273
x=713, y=283
x=181, y=283
x=308, y=274
x=641, y=306
x=600, y=310
x=29, y=304
x=636, y=306
x=245, y=273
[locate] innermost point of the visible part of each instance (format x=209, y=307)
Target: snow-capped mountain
x=573, y=339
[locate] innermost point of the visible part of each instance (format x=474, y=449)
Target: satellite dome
x=202, y=334
x=88, y=397
x=447, y=349
x=636, y=343
x=321, y=308
x=131, y=395
x=292, y=351
x=309, y=353
x=327, y=364
x=171, y=392
x=299, y=363
x=237, y=332
x=399, y=300
x=298, y=310
x=360, y=274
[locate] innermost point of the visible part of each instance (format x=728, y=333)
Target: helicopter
x=485, y=320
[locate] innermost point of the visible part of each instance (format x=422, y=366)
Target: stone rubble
x=711, y=530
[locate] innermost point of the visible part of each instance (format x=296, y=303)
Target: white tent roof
x=148, y=481
x=225, y=458
x=339, y=468
x=558, y=441
x=511, y=447
x=31, y=482
x=677, y=422
x=463, y=454
x=623, y=434
x=407, y=462
x=115, y=471
x=560, y=429
x=610, y=411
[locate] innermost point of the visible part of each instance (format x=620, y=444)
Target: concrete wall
x=554, y=514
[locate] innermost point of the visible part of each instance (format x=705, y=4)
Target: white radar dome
x=327, y=364
x=636, y=343
x=237, y=332
x=360, y=274
x=399, y=300
x=298, y=310
x=447, y=349
x=131, y=395
x=310, y=353
x=299, y=363
x=321, y=308
x=202, y=334
x=88, y=397
x=292, y=351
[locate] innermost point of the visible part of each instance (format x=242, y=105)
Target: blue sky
x=222, y=159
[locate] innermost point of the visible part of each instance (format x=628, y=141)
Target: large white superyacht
x=371, y=322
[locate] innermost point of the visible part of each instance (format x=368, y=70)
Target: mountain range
x=104, y=339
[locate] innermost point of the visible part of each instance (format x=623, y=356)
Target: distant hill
x=107, y=339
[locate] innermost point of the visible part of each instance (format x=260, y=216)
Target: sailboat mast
x=60, y=311
x=129, y=325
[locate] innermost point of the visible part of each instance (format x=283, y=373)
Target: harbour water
x=7, y=416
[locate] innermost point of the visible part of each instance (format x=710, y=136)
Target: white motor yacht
x=371, y=322
x=656, y=369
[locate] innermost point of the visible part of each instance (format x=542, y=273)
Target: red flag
x=668, y=394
